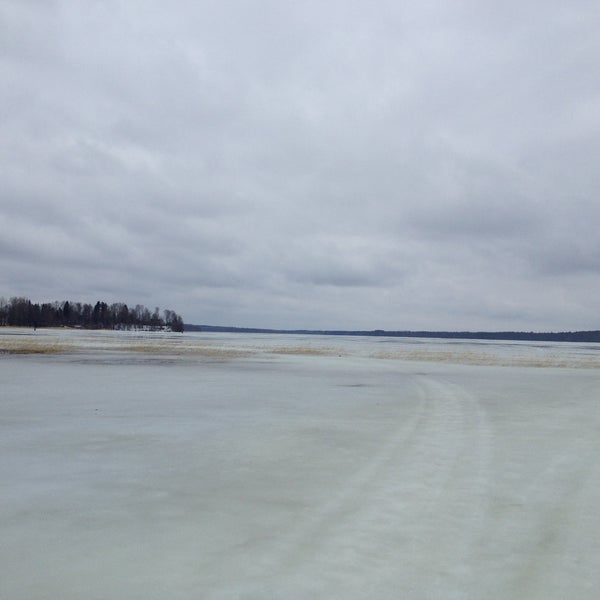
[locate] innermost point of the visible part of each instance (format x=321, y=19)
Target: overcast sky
x=339, y=164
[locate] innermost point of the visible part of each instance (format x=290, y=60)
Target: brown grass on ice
x=307, y=351
x=486, y=359
x=27, y=346
x=203, y=351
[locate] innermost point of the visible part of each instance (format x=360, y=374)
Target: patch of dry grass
x=482, y=359
x=30, y=347
x=150, y=348
x=204, y=351
x=308, y=351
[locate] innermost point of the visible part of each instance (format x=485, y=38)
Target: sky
x=350, y=165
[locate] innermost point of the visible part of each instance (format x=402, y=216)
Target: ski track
x=416, y=506
x=551, y=541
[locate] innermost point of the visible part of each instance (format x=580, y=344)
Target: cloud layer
x=279, y=164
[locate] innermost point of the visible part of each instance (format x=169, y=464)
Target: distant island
x=21, y=312
x=564, y=336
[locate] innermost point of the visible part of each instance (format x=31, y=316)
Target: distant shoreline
x=563, y=336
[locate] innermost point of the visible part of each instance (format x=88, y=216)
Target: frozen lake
x=222, y=467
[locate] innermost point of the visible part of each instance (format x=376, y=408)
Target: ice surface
x=262, y=467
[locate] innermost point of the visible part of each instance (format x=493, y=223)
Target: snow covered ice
x=227, y=467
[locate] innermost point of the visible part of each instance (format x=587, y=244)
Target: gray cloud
x=356, y=165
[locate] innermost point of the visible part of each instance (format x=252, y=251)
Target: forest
x=21, y=312
x=525, y=336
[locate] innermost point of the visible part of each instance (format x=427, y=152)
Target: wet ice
x=224, y=466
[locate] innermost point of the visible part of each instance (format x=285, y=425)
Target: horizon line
x=590, y=335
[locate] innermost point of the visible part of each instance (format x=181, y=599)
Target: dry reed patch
x=169, y=350
x=437, y=356
x=308, y=351
x=220, y=352
x=149, y=348
x=553, y=362
x=28, y=346
x=477, y=359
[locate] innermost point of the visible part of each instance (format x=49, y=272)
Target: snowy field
x=222, y=467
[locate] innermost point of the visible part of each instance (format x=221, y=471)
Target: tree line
x=21, y=312
x=529, y=336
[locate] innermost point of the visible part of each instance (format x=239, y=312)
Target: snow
x=226, y=466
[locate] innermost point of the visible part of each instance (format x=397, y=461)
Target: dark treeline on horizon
x=21, y=312
x=531, y=336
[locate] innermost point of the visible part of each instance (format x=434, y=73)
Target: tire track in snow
x=554, y=521
x=416, y=505
x=452, y=514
